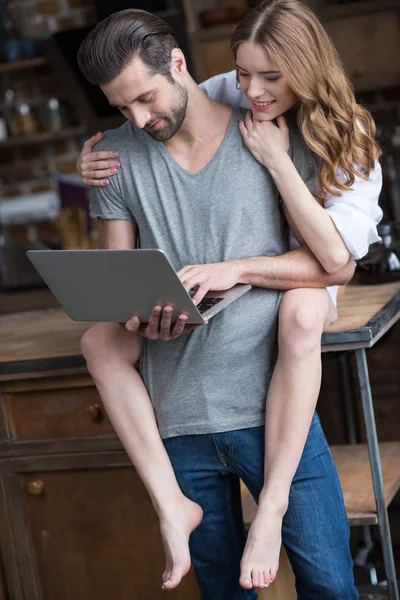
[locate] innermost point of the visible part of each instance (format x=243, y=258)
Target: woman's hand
x=266, y=141
x=95, y=167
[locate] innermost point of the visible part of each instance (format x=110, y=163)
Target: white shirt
x=356, y=212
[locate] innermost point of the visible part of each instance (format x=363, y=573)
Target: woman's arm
x=308, y=218
x=328, y=231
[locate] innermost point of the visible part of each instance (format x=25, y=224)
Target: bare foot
x=175, y=533
x=260, y=561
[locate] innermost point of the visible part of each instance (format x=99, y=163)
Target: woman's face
x=262, y=83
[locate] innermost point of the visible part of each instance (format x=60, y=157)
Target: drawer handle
x=94, y=411
x=36, y=488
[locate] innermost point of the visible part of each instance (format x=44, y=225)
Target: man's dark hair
x=122, y=36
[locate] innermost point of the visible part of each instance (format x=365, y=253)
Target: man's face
x=151, y=102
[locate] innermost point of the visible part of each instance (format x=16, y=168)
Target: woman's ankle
x=272, y=500
x=169, y=507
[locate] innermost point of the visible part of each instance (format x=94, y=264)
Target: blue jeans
x=315, y=528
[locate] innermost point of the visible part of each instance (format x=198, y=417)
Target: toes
x=166, y=580
x=272, y=574
x=176, y=575
x=267, y=578
x=261, y=580
x=256, y=578
x=172, y=582
x=245, y=578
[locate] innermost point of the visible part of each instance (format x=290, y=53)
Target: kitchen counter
x=38, y=341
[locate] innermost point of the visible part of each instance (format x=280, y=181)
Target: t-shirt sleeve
x=356, y=212
x=107, y=202
x=304, y=160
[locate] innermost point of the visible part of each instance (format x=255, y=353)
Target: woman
x=285, y=61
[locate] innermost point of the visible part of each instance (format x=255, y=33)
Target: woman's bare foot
x=175, y=533
x=260, y=561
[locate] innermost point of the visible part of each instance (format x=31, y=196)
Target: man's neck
x=205, y=119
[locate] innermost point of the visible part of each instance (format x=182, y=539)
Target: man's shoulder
x=117, y=139
x=298, y=148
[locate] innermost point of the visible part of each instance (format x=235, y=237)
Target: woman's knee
x=300, y=327
x=105, y=342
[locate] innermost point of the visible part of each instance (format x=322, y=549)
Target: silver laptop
x=114, y=285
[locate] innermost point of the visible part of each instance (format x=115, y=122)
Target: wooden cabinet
x=76, y=522
x=57, y=409
x=369, y=46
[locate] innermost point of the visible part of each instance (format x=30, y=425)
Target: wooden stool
x=353, y=466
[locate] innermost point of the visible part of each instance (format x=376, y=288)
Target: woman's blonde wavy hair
x=334, y=126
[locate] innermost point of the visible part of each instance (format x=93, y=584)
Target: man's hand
x=266, y=141
x=215, y=277
x=95, y=167
x=160, y=325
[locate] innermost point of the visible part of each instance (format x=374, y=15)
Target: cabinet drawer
x=55, y=413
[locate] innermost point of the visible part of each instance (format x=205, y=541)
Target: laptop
x=114, y=285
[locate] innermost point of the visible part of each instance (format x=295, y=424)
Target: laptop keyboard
x=207, y=303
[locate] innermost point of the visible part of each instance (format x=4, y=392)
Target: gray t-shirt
x=215, y=378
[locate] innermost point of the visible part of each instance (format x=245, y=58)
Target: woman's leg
x=315, y=529
x=111, y=353
x=291, y=400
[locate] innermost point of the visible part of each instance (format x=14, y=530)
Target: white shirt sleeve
x=222, y=88
x=355, y=213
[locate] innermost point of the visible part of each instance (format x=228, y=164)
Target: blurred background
x=47, y=110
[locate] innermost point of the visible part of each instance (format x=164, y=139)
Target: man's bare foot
x=175, y=533
x=260, y=561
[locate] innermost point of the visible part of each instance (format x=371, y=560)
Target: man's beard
x=172, y=122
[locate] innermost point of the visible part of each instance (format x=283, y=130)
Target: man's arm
x=296, y=269
x=115, y=234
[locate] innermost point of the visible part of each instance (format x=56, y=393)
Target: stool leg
x=348, y=398
x=376, y=470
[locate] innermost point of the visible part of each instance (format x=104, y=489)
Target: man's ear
x=178, y=63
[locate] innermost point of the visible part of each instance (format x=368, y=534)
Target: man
x=187, y=184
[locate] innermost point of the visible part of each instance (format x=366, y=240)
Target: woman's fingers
x=249, y=122
x=96, y=182
x=243, y=131
x=281, y=122
x=100, y=156
x=91, y=142
x=99, y=165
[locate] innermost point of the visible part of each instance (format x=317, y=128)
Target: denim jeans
x=315, y=527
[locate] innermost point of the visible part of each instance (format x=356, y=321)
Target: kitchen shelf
x=41, y=138
x=17, y=65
